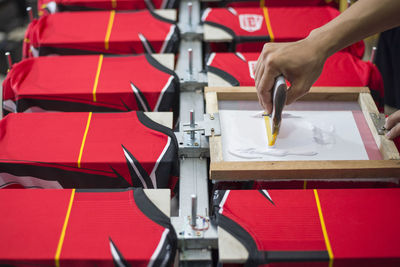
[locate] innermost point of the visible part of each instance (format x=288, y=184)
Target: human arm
x=301, y=62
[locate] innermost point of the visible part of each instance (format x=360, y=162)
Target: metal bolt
x=190, y=55
x=30, y=13
x=211, y=116
x=192, y=124
x=190, y=8
x=373, y=53
x=9, y=61
x=196, y=144
x=194, y=210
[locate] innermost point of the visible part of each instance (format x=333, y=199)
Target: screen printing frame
x=388, y=167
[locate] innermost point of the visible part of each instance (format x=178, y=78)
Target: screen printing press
x=164, y=159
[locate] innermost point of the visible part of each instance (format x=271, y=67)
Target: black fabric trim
x=67, y=106
x=170, y=101
x=257, y=257
x=148, y=208
x=244, y=60
x=172, y=152
x=242, y=236
x=138, y=102
x=218, y=195
x=172, y=4
x=295, y=256
x=153, y=62
x=146, y=44
x=140, y=168
x=149, y=4
x=126, y=107
x=239, y=39
x=174, y=42
x=122, y=262
x=48, y=50
x=67, y=178
x=224, y=75
x=269, y=199
x=156, y=215
x=223, y=27
x=156, y=16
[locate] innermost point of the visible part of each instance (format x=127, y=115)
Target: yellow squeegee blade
x=271, y=137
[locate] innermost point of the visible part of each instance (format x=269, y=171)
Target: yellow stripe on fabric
x=84, y=139
x=268, y=128
x=343, y=5
x=268, y=22
x=109, y=28
x=305, y=184
x=262, y=3
x=114, y=4
x=62, y=236
x=96, y=79
x=321, y=218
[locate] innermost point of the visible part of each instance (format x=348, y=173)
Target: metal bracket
x=189, y=66
x=210, y=125
x=379, y=122
x=192, y=138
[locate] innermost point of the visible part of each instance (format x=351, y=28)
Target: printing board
x=355, y=154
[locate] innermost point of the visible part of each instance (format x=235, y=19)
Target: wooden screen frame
x=346, y=169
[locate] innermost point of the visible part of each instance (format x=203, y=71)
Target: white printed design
x=250, y=22
x=252, y=68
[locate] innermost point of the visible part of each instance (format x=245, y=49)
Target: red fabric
x=288, y=24
x=292, y=224
x=96, y=217
x=60, y=31
x=341, y=69
x=361, y=223
x=54, y=140
x=103, y=4
x=33, y=222
x=70, y=79
x=270, y=3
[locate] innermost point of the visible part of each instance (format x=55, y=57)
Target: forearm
x=362, y=19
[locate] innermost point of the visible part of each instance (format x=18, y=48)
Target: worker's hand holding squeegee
x=273, y=120
x=295, y=61
x=301, y=62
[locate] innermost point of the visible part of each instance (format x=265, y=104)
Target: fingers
x=295, y=92
x=393, y=125
x=259, y=74
x=264, y=88
x=394, y=132
x=392, y=120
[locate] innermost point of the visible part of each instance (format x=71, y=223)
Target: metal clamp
x=379, y=122
x=210, y=125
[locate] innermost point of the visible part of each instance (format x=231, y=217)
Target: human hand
x=299, y=62
x=393, y=125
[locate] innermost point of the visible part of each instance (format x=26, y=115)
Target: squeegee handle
x=278, y=97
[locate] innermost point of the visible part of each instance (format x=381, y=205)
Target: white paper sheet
x=304, y=135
